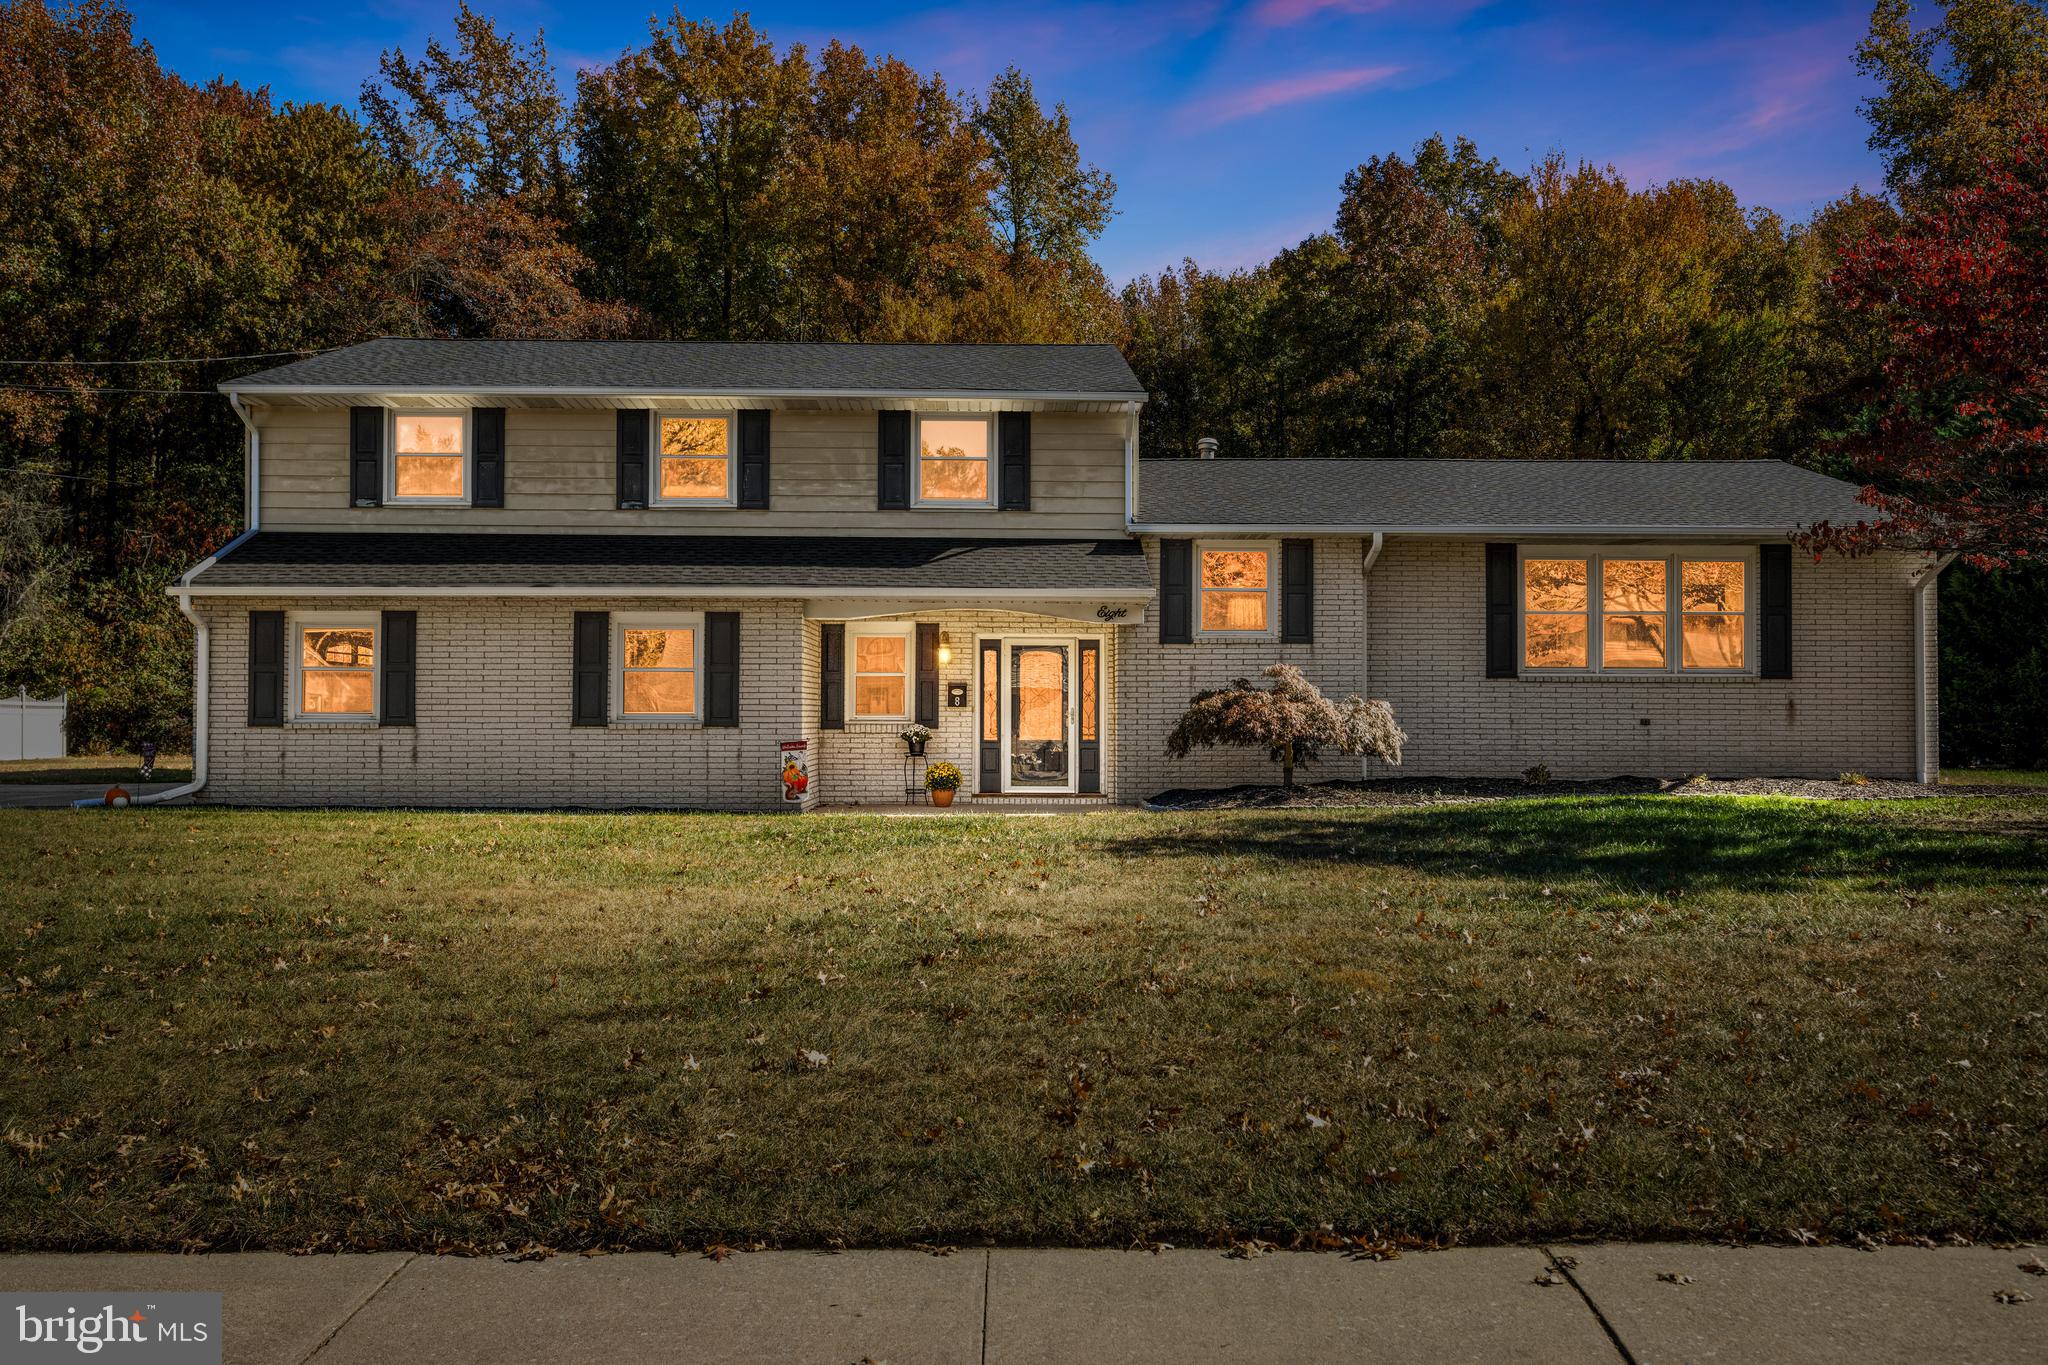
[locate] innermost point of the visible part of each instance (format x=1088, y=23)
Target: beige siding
x=560, y=476
x=1847, y=707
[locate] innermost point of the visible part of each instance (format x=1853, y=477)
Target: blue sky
x=1229, y=126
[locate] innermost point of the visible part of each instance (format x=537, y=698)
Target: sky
x=1229, y=127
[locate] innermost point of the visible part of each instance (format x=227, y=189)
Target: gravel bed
x=1430, y=791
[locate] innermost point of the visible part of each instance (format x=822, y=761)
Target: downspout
x=1130, y=467
x=1372, y=557
x=1926, y=748
x=202, y=653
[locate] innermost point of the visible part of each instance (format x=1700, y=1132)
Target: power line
x=65, y=388
x=177, y=360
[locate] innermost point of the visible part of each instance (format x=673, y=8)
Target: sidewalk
x=21, y=795
x=1008, y=1307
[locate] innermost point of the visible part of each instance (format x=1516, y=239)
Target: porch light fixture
x=945, y=648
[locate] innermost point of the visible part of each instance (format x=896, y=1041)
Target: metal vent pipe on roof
x=1206, y=447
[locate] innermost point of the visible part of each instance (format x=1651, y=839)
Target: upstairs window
x=429, y=457
x=696, y=459
x=658, y=665
x=335, y=659
x=953, y=461
x=1620, y=613
x=1236, y=587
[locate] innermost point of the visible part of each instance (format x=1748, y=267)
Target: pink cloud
x=1285, y=13
x=1251, y=100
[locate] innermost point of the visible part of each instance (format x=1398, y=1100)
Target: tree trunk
x=1287, y=765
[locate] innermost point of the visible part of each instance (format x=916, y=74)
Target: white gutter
x=1550, y=530
x=1372, y=557
x=749, y=591
x=1926, y=746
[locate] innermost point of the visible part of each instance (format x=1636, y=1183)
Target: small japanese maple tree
x=1292, y=720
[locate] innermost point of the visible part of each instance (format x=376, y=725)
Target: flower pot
x=916, y=747
x=942, y=796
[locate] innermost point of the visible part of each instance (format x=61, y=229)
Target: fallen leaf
x=1673, y=1277
x=2012, y=1296
x=1549, y=1277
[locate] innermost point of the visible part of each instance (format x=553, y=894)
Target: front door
x=1038, y=729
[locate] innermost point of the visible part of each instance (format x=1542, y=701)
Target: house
x=561, y=573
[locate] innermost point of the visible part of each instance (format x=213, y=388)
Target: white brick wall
x=1848, y=705
x=494, y=679
x=864, y=762
x=493, y=718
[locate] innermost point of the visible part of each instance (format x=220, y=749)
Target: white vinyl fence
x=30, y=728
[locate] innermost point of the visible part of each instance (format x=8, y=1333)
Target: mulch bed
x=1431, y=791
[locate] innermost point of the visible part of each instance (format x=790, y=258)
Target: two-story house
x=555, y=573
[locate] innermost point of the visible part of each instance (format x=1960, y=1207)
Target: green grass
x=1995, y=777
x=108, y=768
x=1534, y=1019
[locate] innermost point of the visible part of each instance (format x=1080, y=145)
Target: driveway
x=19, y=795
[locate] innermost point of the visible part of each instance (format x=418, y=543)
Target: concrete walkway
x=1004, y=1307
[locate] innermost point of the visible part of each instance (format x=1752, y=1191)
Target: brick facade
x=1847, y=707
x=494, y=699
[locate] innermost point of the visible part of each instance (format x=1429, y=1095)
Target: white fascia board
x=1367, y=529
x=749, y=591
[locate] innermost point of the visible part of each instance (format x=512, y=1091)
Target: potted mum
x=942, y=780
x=916, y=737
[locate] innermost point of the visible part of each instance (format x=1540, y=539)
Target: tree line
x=158, y=236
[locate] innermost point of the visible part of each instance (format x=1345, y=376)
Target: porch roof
x=333, y=563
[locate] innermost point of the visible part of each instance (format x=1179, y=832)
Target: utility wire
x=177, y=360
x=64, y=388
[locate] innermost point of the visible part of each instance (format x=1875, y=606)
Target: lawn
x=108, y=768
x=1552, y=1018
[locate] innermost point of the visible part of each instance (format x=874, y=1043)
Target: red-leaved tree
x=1956, y=451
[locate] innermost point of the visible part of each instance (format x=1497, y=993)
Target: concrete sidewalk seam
x=364, y=1302
x=988, y=1258
x=1621, y=1347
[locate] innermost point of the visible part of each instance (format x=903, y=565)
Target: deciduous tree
x=1292, y=720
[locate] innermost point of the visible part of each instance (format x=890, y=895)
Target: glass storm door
x=1040, y=735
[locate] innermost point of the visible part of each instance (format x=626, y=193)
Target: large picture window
x=954, y=461
x=1237, y=580
x=429, y=457
x=878, y=677
x=335, y=663
x=659, y=660
x=695, y=462
x=1621, y=612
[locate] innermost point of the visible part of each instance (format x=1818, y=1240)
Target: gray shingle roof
x=1525, y=496
x=418, y=366
x=802, y=564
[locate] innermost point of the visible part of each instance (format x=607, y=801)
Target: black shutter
x=754, y=458
x=591, y=703
x=892, y=461
x=722, y=668
x=398, y=647
x=832, y=677
x=991, y=723
x=1500, y=610
x=927, y=673
x=1775, y=561
x=1176, y=592
x=366, y=457
x=266, y=668
x=1015, y=444
x=1090, y=771
x=633, y=423
x=1297, y=591
x=489, y=434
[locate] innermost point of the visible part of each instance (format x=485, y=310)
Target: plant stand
x=914, y=766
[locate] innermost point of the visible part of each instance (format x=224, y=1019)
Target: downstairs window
x=1620, y=613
